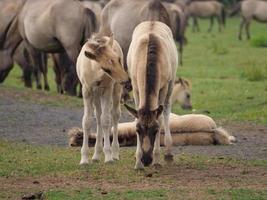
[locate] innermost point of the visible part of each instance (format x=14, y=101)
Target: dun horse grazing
x=100, y=70
x=250, y=9
x=182, y=94
x=40, y=23
x=207, y=9
x=152, y=60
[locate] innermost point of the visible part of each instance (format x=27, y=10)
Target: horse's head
x=182, y=93
x=107, y=53
x=147, y=128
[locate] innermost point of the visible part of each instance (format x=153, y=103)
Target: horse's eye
x=120, y=60
x=188, y=96
x=107, y=71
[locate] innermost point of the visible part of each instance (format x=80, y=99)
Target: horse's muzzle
x=146, y=159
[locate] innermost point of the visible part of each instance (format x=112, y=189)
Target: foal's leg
x=241, y=28
x=166, y=115
x=99, y=132
x=211, y=24
x=106, y=105
x=87, y=121
x=116, y=112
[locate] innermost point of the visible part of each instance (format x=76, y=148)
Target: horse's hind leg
x=247, y=29
x=44, y=70
x=105, y=121
x=219, y=19
x=116, y=112
x=99, y=132
x=211, y=24
x=86, y=123
x=241, y=28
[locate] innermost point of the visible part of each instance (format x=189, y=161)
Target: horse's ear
x=111, y=39
x=131, y=110
x=159, y=110
x=92, y=45
x=90, y=55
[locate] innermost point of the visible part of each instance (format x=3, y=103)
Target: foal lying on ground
x=191, y=129
x=100, y=70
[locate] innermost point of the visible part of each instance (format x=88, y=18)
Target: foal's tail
x=235, y=10
x=221, y=136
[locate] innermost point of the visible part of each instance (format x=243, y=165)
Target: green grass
x=260, y=41
x=21, y=161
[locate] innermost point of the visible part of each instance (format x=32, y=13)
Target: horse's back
x=254, y=9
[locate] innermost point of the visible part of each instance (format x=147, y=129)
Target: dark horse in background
x=46, y=26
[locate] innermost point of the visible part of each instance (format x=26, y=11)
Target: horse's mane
x=151, y=66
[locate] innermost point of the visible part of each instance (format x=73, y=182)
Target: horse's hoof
x=109, y=161
x=39, y=87
x=47, y=88
x=168, y=158
x=84, y=162
x=139, y=167
x=95, y=160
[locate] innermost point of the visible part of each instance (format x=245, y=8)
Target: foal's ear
x=159, y=110
x=90, y=55
x=131, y=110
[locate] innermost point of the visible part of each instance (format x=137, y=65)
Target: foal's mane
x=151, y=67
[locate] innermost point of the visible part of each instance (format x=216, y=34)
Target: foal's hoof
x=168, y=158
x=84, y=162
x=39, y=87
x=47, y=88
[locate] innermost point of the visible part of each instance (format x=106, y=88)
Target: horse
x=191, y=129
x=100, y=71
x=256, y=9
x=152, y=60
x=182, y=94
x=207, y=9
x=40, y=24
x=122, y=16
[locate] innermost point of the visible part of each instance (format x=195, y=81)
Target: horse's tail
x=90, y=24
x=157, y=12
x=223, y=15
x=235, y=10
x=221, y=136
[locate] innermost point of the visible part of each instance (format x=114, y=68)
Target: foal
x=152, y=63
x=100, y=70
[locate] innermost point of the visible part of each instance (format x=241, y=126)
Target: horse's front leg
x=99, y=132
x=86, y=124
x=116, y=113
x=138, y=155
x=241, y=28
x=166, y=116
x=211, y=24
x=106, y=105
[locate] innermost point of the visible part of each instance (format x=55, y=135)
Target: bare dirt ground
x=47, y=125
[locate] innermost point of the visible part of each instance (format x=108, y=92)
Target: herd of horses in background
x=111, y=47
x=33, y=31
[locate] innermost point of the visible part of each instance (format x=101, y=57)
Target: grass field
x=229, y=80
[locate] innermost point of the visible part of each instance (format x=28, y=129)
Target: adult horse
x=207, y=9
x=120, y=17
x=152, y=60
x=256, y=9
x=48, y=26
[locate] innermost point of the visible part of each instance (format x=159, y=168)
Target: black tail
x=235, y=10
x=157, y=12
x=223, y=15
x=90, y=24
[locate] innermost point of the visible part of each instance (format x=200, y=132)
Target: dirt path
x=47, y=125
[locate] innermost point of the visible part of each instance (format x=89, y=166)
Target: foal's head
x=147, y=128
x=107, y=53
x=182, y=93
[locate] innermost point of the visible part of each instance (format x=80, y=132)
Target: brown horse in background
x=250, y=9
x=207, y=9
